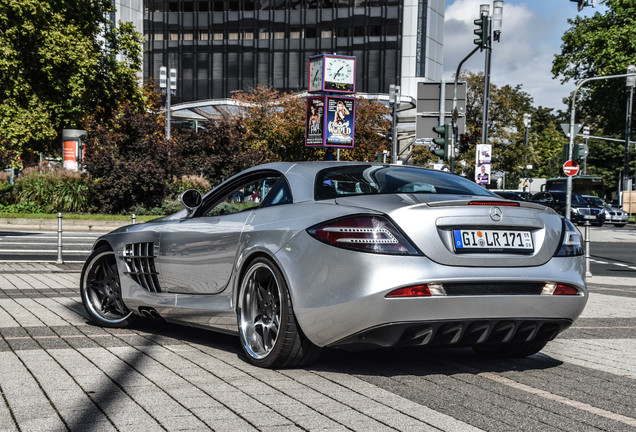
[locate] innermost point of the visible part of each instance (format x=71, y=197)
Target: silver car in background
x=296, y=257
x=610, y=214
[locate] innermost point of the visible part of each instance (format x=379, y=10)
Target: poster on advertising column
x=483, y=157
x=340, y=120
x=315, y=122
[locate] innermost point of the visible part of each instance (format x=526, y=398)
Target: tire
x=270, y=335
x=619, y=225
x=101, y=290
x=511, y=350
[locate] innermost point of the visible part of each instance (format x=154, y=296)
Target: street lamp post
x=493, y=33
x=394, y=98
x=169, y=88
x=527, y=121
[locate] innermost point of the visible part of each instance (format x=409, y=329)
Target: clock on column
x=340, y=74
x=315, y=73
x=332, y=73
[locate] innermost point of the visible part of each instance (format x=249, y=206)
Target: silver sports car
x=294, y=257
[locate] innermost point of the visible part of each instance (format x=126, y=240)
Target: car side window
x=244, y=196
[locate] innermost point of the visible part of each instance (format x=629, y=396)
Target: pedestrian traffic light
x=482, y=31
x=443, y=140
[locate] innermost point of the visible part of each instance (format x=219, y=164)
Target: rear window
x=350, y=180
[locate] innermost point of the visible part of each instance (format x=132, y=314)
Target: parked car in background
x=346, y=255
x=580, y=210
x=610, y=214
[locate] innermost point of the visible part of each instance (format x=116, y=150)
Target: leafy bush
x=186, y=182
x=27, y=207
x=52, y=190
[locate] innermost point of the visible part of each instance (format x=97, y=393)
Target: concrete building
x=218, y=46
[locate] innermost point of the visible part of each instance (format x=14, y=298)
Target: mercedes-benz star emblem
x=496, y=214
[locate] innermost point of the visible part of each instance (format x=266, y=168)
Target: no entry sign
x=570, y=168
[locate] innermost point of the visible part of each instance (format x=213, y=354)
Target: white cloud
x=529, y=40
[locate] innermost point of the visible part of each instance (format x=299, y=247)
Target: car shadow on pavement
x=389, y=362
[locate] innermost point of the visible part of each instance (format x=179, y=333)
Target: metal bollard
x=59, y=239
x=587, y=249
x=134, y=218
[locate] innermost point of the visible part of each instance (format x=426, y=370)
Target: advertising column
x=72, y=148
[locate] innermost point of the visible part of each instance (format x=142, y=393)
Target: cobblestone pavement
x=58, y=372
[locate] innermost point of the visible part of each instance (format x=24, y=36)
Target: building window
x=204, y=35
x=218, y=36
x=174, y=36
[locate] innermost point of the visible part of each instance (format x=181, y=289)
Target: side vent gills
x=140, y=260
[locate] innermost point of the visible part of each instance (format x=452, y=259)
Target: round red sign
x=570, y=168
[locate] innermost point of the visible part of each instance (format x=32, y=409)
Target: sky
x=530, y=37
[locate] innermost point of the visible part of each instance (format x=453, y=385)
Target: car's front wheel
x=101, y=290
x=513, y=350
x=619, y=225
x=270, y=335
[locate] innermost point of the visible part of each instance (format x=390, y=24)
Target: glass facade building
x=219, y=46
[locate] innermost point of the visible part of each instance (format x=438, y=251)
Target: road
x=41, y=246
x=612, y=250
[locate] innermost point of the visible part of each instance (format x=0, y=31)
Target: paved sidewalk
x=59, y=372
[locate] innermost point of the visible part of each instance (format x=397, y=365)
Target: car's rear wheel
x=270, y=335
x=619, y=225
x=511, y=349
x=101, y=290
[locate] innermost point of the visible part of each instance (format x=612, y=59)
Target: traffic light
x=579, y=151
x=482, y=31
x=378, y=157
x=584, y=3
x=462, y=143
x=443, y=141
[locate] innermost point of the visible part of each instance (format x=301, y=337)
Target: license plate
x=492, y=241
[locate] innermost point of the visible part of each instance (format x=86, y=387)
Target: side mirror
x=191, y=200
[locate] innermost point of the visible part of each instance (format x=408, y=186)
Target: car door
x=196, y=255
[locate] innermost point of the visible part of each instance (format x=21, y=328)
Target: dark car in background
x=580, y=209
x=514, y=195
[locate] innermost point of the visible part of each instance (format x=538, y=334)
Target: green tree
x=599, y=45
x=60, y=61
x=505, y=128
x=275, y=127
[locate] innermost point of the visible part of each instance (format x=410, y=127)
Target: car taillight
x=364, y=233
x=559, y=289
x=571, y=244
x=425, y=290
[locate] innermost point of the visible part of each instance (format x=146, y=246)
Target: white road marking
x=560, y=399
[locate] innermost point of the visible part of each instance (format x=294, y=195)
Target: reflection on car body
x=346, y=255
